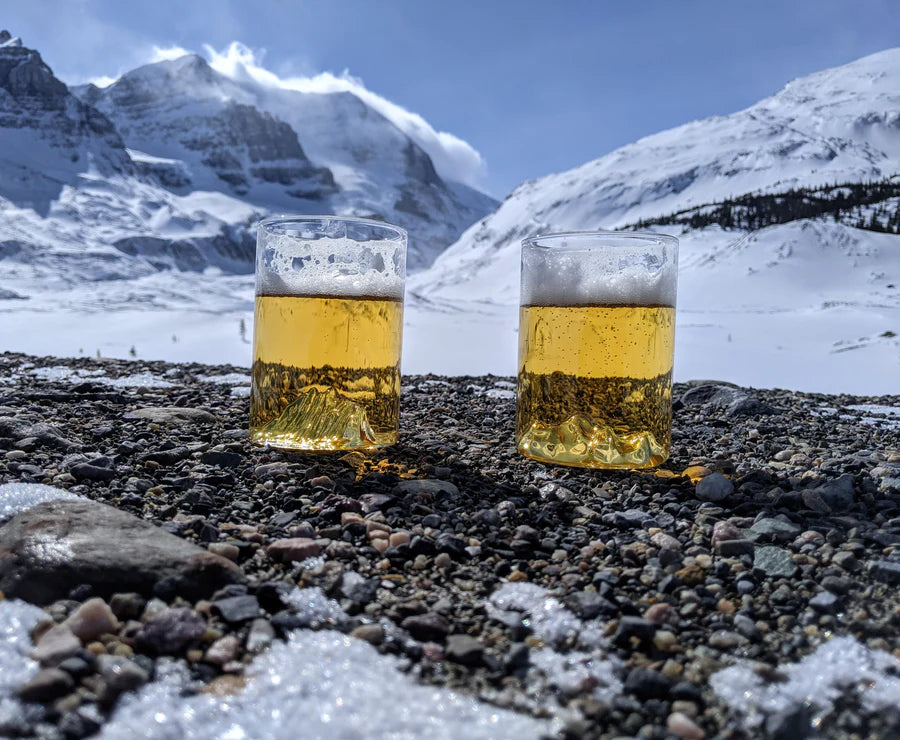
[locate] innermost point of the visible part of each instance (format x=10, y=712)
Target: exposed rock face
x=183, y=109
x=50, y=547
x=47, y=135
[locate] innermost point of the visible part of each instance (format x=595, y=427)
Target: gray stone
x=87, y=471
x=172, y=415
x=221, y=459
x=813, y=500
x=54, y=545
x=236, y=609
x=429, y=626
x=437, y=488
x=464, y=649
x=590, y=604
x=838, y=494
x=40, y=432
x=645, y=683
x=774, y=562
x=847, y=561
x=885, y=571
x=171, y=630
x=735, y=548
x=714, y=487
x=120, y=674
x=726, y=639
x=371, y=633
x=732, y=401
x=774, y=530
x=46, y=685
x=55, y=645
x=824, y=602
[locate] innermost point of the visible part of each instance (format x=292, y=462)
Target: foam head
x=599, y=268
x=330, y=255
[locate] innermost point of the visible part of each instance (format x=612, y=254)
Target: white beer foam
x=643, y=275
x=288, y=265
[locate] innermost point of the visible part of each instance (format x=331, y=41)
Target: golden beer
x=595, y=384
x=326, y=367
x=596, y=345
x=326, y=372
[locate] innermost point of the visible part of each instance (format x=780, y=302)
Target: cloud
x=453, y=158
x=162, y=54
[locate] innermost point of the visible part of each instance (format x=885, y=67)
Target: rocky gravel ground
x=610, y=602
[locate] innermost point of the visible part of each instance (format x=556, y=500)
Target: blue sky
x=534, y=86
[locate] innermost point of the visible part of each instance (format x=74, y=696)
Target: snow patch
x=840, y=665
x=18, y=497
x=327, y=684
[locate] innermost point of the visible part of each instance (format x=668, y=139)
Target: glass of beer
x=596, y=346
x=327, y=332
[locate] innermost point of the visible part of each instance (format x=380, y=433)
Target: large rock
x=53, y=547
x=730, y=400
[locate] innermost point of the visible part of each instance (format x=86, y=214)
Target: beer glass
x=596, y=345
x=327, y=331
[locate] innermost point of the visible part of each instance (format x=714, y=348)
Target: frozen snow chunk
x=840, y=665
x=17, y=620
x=226, y=379
x=314, y=608
x=240, y=391
x=327, y=684
x=499, y=393
x=18, y=497
x=136, y=380
x=570, y=673
x=534, y=607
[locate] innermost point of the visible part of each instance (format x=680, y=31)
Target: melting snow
x=320, y=684
x=841, y=664
x=226, y=379
x=18, y=497
x=135, y=380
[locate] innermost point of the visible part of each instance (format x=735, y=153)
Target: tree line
x=870, y=205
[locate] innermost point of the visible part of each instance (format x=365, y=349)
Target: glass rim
x=627, y=238
x=400, y=234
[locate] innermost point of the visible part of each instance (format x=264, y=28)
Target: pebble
x=223, y=650
x=724, y=530
x=645, y=683
x=371, y=633
x=773, y=530
x=121, y=674
x=436, y=488
x=293, y=549
x=55, y=645
x=666, y=541
x=92, y=619
x=47, y=684
x=726, y=639
x=172, y=415
x=714, y=487
x=225, y=550
x=431, y=627
x=847, y=561
x=464, y=649
x=886, y=571
x=236, y=609
x=682, y=726
x=774, y=562
x=171, y=630
x=260, y=635
x=825, y=602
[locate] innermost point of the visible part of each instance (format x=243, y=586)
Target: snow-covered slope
x=839, y=125
x=195, y=128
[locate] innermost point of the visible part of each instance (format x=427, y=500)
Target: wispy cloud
x=453, y=157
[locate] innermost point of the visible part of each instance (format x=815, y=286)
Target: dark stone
x=836, y=584
x=636, y=627
x=590, y=605
x=464, y=649
x=437, y=488
x=430, y=626
x=221, y=459
x=714, y=487
x=735, y=548
x=236, y=609
x=825, y=602
x=87, y=471
x=774, y=562
x=789, y=724
x=172, y=415
x=885, y=571
x=171, y=630
x=645, y=683
x=838, y=494
x=165, y=457
x=452, y=545
x=732, y=401
x=771, y=529
x=46, y=685
x=376, y=502
x=109, y=549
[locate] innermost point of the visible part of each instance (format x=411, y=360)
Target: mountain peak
x=7, y=39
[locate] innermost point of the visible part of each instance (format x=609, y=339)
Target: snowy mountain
x=193, y=128
x=839, y=125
